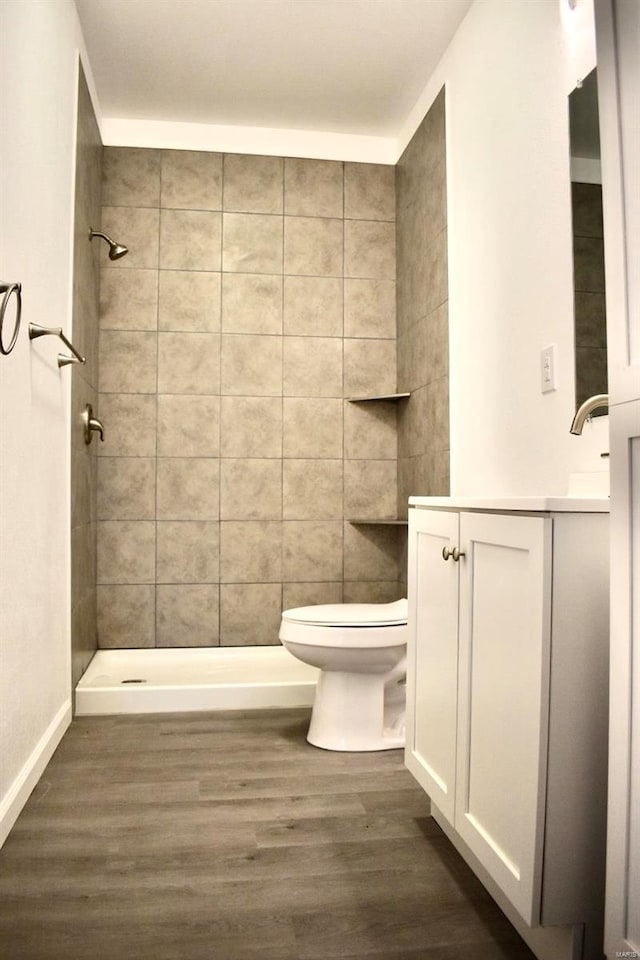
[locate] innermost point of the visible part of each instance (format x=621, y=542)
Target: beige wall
x=259, y=293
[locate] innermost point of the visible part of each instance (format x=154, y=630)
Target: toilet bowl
x=360, y=650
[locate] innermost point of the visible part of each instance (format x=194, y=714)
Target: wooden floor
x=225, y=836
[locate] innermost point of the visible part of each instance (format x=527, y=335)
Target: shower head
x=116, y=250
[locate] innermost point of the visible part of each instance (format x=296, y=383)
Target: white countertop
x=531, y=504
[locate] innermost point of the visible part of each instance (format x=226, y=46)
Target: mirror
x=588, y=243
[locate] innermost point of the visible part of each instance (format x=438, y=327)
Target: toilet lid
x=351, y=614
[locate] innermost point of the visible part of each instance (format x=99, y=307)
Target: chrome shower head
x=116, y=250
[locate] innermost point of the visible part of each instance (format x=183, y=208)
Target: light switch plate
x=548, y=369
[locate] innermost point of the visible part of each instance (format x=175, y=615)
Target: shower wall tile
x=139, y=230
x=312, y=549
x=251, y=365
x=188, y=551
x=370, y=308
x=370, y=249
x=128, y=362
x=373, y=591
x=252, y=243
x=126, y=488
x=190, y=240
x=126, y=551
x=369, y=367
x=187, y=616
x=251, y=303
x=250, y=551
x=191, y=180
x=313, y=188
x=130, y=425
x=309, y=594
x=250, y=613
x=313, y=246
x=250, y=427
x=188, y=426
x=126, y=616
x=187, y=489
x=189, y=363
x=370, y=431
x=370, y=553
x=369, y=191
x=436, y=272
x=312, y=490
x=129, y=299
x=312, y=367
x=313, y=306
x=253, y=184
x=250, y=490
x=189, y=301
x=312, y=427
x=130, y=177
x=370, y=489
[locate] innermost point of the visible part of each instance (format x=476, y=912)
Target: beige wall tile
x=250, y=490
x=126, y=488
x=129, y=424
x=313, y=188
x=309, y=594
x=251, y=365
x=251, y=427
x=191, y=180
x=126, y=551
x=312, y=550
x=370, y=431
x=188, y=426
x=373, y=591
x=369, y=367
x=312, y=367
x=129, y=299
x=436, y=273
x=188, y=551
x=369, y=191
x=187, y=489
x=370, y=308
x=137, y=229
x=370, y=249
x=312, y=427
x=313, y=306
x=126, y=616
x=128, y=362
x=250, y=551
x=189, y=363
x=130, y=177
x=370, y=552
x=312, y=490
x=253, y=184
x=190, y=240
x=252, y=243
x=313, y=246
x=250, y=614
x=187, y=616
x=370, y=489
x=251, y=303
x=189, y=300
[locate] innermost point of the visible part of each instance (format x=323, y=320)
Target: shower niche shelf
x=361, y=522
x=379, y=396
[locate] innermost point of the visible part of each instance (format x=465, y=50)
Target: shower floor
x=202, y=678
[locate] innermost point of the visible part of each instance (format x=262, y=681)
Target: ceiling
x=343, y=66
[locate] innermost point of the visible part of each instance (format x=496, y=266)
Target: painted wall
x=508, y=73
x=38, y=92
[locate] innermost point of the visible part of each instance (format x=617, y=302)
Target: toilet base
x=354, y=712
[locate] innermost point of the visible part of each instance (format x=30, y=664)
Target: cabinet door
x=432, y=662
x=503, y=696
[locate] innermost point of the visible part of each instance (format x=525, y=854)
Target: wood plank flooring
x=226, y=836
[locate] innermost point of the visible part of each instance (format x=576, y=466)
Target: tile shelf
x=363, y=522
x=382, y=396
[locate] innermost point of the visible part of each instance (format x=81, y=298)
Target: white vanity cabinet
x=507, y=695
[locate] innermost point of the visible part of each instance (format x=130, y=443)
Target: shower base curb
x=193, y=679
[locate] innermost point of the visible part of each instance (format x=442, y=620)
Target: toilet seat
x=350, y=614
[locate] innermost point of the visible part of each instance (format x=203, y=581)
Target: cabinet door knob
x=457, y=553
x=446, y=553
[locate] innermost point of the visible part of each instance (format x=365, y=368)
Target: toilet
x=361, y=652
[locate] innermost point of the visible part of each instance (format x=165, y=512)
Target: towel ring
x=7, y=289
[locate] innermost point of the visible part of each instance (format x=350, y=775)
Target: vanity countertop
x=532, y=504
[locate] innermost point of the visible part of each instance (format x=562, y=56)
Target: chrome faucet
x=586, y=409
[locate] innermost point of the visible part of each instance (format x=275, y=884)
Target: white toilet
x=361, y=651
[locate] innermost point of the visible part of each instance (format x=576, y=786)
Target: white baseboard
x=21, y=788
